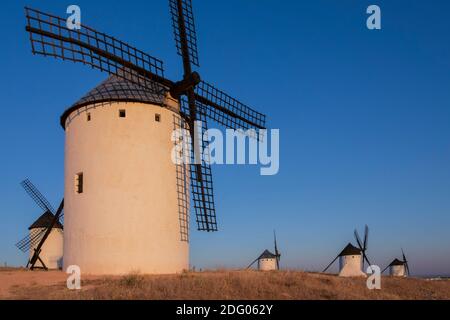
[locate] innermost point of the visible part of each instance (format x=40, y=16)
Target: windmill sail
x=37, y=196
x=30, y=240
x=49, y=36
x=226, y=110
x=201, y=180
x=363, y=245
x=406, y=263
x=277, y=254
x=188, y=33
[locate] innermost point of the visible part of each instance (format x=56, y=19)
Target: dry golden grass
x=230, y=285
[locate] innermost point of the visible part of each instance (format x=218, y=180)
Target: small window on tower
x=122, y=113
x=79, y=183
x=89, y=116
x=157, y=117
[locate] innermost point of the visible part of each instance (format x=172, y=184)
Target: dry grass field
x=228, y=285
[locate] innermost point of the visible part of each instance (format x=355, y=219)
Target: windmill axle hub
x=186, y=84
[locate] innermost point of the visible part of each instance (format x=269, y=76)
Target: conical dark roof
x=397, y=262
x=350, y=250
x=267, y=255
x=116, y=89
x=45, y=221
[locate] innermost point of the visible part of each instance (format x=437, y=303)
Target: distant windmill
x=267, y=260
x=399, y=268
x=128, y=193
x=45, y=239
x=351, y=259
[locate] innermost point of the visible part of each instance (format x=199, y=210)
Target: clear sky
x=363, y=118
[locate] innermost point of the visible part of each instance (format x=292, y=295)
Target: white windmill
x=398, y=268
x=351, y=258
x=267, y=260
x=126, y=202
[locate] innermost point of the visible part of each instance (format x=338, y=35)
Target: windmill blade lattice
x=226, y=110
x=37, y=196
x=30, y=240
x=202, y=184
x=49, y=36
x=189, y=32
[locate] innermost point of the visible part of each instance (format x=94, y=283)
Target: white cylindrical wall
x=52, y=249
x=397, y=271
x=267, y=264
x=350, y=266
x=127, y=218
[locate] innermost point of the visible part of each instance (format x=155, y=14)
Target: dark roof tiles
x=267, y=255
x=397, y=262
x=45, y=221
x=350, y=250
x=118, y=89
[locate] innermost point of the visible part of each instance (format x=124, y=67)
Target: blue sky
x=363, y=118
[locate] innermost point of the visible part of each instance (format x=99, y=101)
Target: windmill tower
x=45, y=239
x=126, y=201
x=351, y=258
x=268, y=261
x=398, y=268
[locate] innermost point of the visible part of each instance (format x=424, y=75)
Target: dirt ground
x=221, y=285
x=15, y=279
